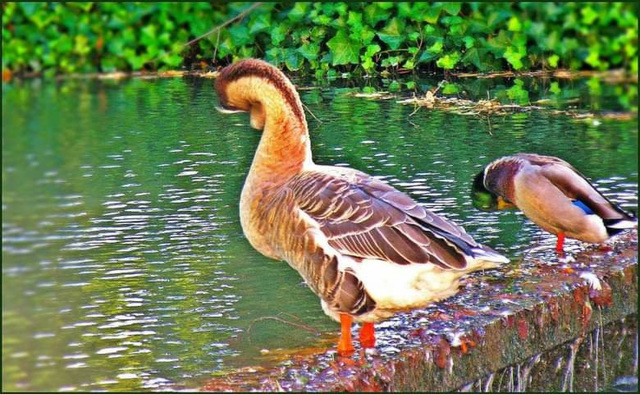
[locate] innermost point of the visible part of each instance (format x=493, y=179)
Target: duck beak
x=504, y=204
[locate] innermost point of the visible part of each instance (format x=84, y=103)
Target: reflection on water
x=124, y=264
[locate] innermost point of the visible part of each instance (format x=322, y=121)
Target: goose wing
x=366, y=218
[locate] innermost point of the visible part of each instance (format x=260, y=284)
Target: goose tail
x=486, y=254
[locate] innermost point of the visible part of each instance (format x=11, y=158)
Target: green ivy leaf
x=448, y=61
x=354, y=19
x=372, y=50
x=318, y=33
x=148, y=35
x=427, y=57
x=588, y=15
x=514, y=56
x=517, y=93
x=468, y=41
x=30, y=9
x=261, y=23
x=366, y=35
x=595, y=87
x=278, y=34
x=452, y=8
x=309, y=50
x=476, y=57
x=553, y=61
x=391, y=61
x=373, y=14
x=432, y=14
x=172, y=60
x=298, y=12
x=555, y=88
x=450, y=88
x=323, y=20
x=344, y=50
x=292, y=59
x=394, y=86
x=274, y=56
x=409, y=64
x=137, y=62
x=63, y=44
x=241, y=35
x=452, y=20
x=498, y=44
x=367, y=58
x=594, y=57
x=246, y=52
x=81, y=47
x=405, y=10
x=368, y=64
x=514, y=24
x=436, y=47
x=358, y=30
x=393, y=34
x=83, y=5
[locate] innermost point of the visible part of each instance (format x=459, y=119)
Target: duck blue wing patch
x=581, y=205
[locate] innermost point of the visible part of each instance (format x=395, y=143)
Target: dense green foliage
x=324, y=38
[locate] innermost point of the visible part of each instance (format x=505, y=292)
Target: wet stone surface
x=606, y=359
x=506, y=329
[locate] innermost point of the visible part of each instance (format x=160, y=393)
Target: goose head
x=254, y=86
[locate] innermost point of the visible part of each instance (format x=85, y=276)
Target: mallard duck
x=553, y=194
x=366, y=249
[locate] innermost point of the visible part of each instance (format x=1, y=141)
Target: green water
x=124, y=264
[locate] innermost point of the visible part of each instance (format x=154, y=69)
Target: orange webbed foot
x=345, y=346
x=367, y=335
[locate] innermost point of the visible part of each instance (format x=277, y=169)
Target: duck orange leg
x=560, y=243
x=367, y=335
x=345, y=346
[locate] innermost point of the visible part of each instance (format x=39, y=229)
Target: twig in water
x=215, y=48
x=490, y=127
x=415, y=110
x=217, y=28
x=289, y=315
x=311, y=113
x=298, y=325
x=228, y=22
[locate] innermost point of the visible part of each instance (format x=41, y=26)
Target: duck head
x=483, y=199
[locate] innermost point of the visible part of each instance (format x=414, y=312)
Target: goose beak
x=228, y=111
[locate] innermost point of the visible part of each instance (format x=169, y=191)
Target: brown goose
x=366, y=249
x=551, y=193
